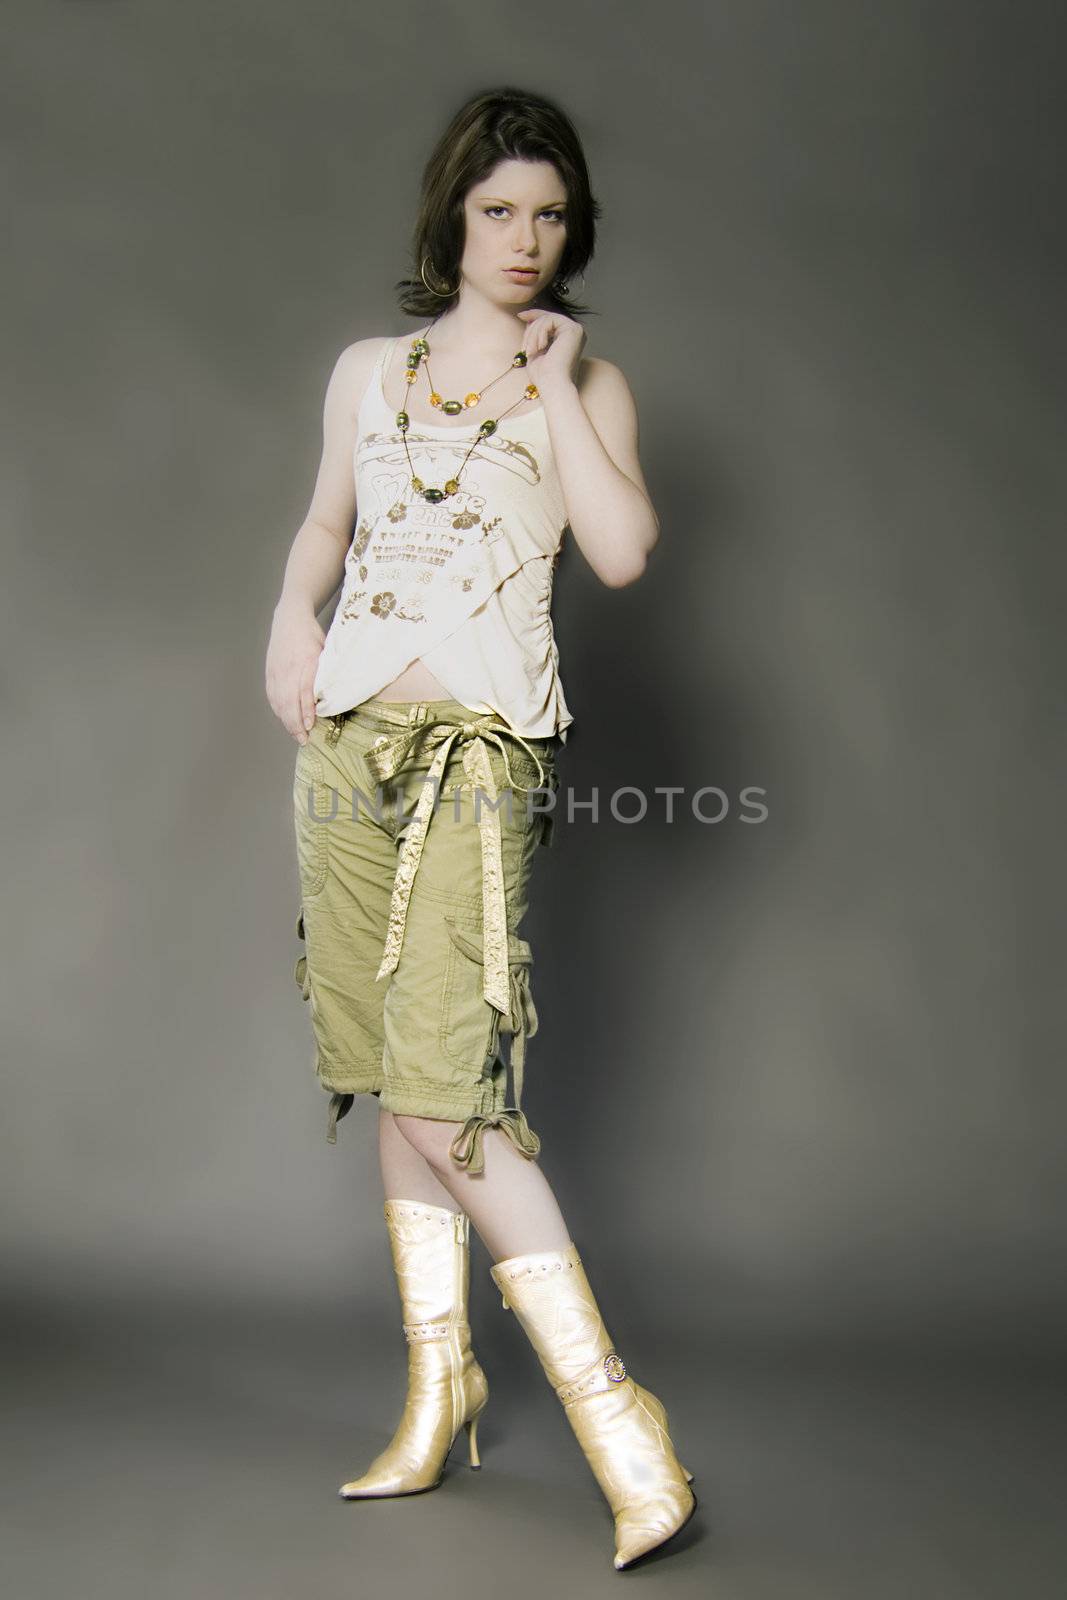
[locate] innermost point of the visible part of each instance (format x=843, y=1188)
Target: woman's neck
x=477, y=326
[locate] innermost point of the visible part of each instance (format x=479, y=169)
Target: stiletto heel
x=472, y=1441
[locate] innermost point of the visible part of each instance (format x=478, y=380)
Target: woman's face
x=516, y=217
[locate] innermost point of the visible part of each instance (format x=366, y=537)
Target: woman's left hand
x=553, y=346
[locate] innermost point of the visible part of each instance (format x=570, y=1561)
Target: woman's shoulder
x=603, y=387
x=361, y=355
x=599, y=371
x=354, y=367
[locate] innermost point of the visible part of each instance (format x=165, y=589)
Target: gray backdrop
x=797, y=1083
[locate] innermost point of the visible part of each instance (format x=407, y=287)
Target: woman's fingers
x=305, y=713
x=307, y=698
x=299, y=716
x=296, y=644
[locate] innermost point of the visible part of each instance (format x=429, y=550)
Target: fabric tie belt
x=384, y=760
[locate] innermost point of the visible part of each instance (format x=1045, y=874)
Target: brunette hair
x=496, y=125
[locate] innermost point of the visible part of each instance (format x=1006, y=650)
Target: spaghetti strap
x=374, y=394
x=385, y=360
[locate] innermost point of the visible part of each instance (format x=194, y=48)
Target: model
x=429, y=722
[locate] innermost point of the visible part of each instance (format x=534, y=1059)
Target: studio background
x=798, y=1084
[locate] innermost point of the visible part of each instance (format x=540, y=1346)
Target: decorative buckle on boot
x=608, y=1369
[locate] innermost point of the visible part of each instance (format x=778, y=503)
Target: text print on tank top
x=416, y=571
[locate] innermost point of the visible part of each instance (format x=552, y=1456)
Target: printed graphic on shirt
x=405, y=545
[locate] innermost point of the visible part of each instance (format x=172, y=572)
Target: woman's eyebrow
x=553, y=205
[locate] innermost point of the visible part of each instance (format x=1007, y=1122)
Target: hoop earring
x=435, y=292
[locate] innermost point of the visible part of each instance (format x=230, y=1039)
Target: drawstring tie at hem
x=340, y=1106
x=466, y=1148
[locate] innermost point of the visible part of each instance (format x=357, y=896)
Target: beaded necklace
x=420, y=355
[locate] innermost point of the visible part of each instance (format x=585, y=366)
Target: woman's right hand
x=296, y=642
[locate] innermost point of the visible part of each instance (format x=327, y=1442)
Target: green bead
x=403, y=421
x=487, y=427
x=412, y=361
x=520, y=359
x=421, y=347
x=433, y=495
x=452, y=408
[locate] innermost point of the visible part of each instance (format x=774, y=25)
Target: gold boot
x=621, y=1427
x=447, y=1389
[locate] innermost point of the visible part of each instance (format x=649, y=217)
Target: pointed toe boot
x=620, y=1426
x=447, y=1389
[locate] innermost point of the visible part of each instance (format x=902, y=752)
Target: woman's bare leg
x=406, y=1175
x=511, y=1204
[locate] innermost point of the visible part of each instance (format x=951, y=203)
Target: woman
x=437, y=691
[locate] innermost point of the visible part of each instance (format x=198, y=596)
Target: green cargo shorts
x=417, y=824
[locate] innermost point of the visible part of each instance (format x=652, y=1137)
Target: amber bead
x=435, y=398
x=451, y=486
x=410, y=377
x=417, y=485
x=532, y=391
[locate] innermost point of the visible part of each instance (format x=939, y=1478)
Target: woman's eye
x=549, y=212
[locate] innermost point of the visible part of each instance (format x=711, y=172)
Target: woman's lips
x=521, y=272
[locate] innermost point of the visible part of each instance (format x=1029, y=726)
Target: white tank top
x=464, y=585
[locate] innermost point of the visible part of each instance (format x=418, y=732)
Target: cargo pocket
x=312, y=831
x=470, y=1026
x=300, y=972
x=340, y=1101
x=520, y=1022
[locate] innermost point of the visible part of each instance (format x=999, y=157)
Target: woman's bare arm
x=594, y=432
x=316, y=560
